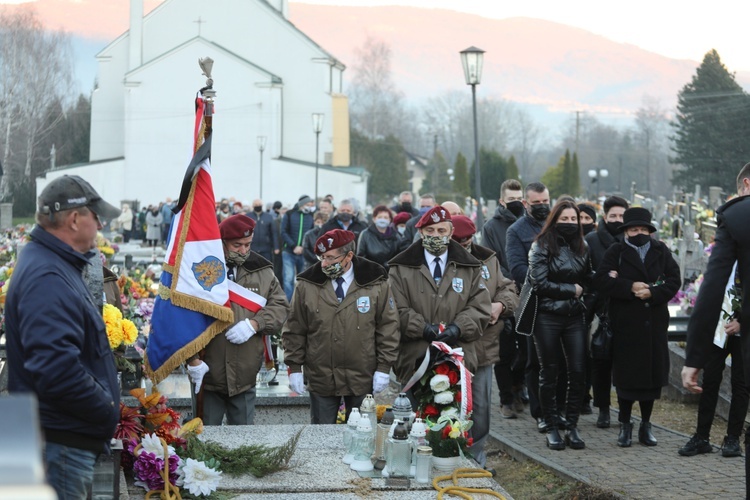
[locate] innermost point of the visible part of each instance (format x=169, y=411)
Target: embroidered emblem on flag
x=209, y=272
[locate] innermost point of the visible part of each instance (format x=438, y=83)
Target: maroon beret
x=434, y=215
x=463, y=228
x=401, y=218
x=335, y=238
x=236, y=227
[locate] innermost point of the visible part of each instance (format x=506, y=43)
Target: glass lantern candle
x=363, y=444
x=349, y=431
x=399, y=452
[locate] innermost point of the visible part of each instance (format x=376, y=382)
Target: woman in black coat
x=640, y=277
x=559, y=271
x=380, y=242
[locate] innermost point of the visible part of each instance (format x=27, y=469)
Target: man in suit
x=732, y=244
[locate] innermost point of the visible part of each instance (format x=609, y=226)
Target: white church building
x=270, y=79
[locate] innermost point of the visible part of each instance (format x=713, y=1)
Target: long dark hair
x=549, y=238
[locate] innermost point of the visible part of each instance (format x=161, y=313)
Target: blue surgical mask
x=424, y=210
x=382, y=223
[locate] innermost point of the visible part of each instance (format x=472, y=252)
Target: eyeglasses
x=96, y=217
x=329, y=259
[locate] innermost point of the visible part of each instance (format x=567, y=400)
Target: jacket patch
x=363, y=304
x=390, y=302
x=458, y=285
x=485, y=272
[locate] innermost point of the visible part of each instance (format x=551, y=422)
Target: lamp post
x=261, y=148
x=472, y=59
x=317, y=119
x=594, y=174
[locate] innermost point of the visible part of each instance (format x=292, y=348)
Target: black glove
x=430, y=332
x=450, y=334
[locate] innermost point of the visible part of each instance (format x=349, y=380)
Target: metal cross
x=200, y=21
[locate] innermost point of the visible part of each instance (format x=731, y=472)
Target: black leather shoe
x=554, y=441
x=586, y=409
x=541, y=425
x=603, y=421
x=625, y=439
x=573, y=439
x=731, y=447
x=645, y=436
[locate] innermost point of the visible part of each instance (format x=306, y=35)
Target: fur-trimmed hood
x=255, y=262
x=414, y=256
x=483, y=254
x=366, y=272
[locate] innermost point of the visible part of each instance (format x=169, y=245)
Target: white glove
x=380, y=382
x=196, y=374
x=297, y=382
x=241, y=332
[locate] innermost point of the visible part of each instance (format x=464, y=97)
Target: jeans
x=481, y=389
x=70, y=471
x=713, y=372
x=293, y=265
x=551, y=329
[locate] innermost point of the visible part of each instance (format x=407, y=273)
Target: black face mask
x=587, y=228
x=406, y=207
x=639, y=239
x=516, y=208
x=567, y=230
x=345, y=217
x=257, y=209
x=540, y=212
x=613, y=227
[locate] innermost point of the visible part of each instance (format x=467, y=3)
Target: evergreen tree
x=461, y=177
x=574, y=183
x=554, y=178
x=385, y=160
x=493, y=168
x=437, y=180
x=567, y=173
x=511, y=171
x=713, y=121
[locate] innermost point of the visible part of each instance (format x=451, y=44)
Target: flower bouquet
x=121, y=332
x=449, y=436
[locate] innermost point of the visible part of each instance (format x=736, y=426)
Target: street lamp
x=261, y=148
x=472, y=59
x=317, y=119
x=594, y=174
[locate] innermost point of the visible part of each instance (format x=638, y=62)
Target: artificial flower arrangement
x=439, y=392
x=106, y=248
x=121, y=332
x=164, y=456
x=449, y=436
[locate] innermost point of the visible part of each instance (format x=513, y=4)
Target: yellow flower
x=113, y=319
x=455, y=432
x=129, y=332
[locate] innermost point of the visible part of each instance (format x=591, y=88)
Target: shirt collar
x=429, y=258
x=349, y=275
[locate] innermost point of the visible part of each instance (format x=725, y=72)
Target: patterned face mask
x=333, y=271
x=436, y=245
x=236, y=259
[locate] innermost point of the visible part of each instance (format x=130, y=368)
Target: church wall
x=107, y=106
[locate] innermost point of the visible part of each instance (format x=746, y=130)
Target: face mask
x=424, y=210
x=236, y=259
x=406, y=207
x=516, y=208
x=401, y=229
x=613, y=227
x=587, y=228
x=567, y=230
x=639, y=239
x=333, y=271
x=309, y=210
x=382, y=223
x=540, y=212
x=345, y=217
x=436, y=245
x=257, y=209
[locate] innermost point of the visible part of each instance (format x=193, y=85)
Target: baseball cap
x=71, y=191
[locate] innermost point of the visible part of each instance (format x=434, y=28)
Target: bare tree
x=35, y=75
x=651, y=127
x=527, y=139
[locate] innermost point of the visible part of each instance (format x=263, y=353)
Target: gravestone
x=6, y=215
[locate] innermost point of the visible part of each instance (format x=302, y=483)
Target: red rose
x=446, y=431
x=470, y=442
x=457, y=397
x=431, y=411
x=442, y=369
x=453, y=377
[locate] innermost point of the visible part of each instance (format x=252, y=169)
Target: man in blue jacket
x=294, y=225
x=56, y=337
x=265, y=239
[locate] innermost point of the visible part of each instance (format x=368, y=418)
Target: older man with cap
x=504, y=300
x=437, y=282
x=55, y=336
x=342, y=328
x=228, y=366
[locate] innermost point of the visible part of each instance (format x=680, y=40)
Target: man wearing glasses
x=342, y=328
x=56, y=338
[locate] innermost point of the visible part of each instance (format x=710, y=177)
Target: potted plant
x=449, y=439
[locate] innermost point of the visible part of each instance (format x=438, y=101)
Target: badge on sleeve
x=458, y=285
x=363, y=304
x=485, y=272
x=392, y=304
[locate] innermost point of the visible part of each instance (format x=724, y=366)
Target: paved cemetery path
x=638, y=472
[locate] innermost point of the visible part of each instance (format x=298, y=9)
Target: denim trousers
x=70, y=471
x=292, y=265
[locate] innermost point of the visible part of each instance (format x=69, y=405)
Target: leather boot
x=625, y=439
x=554, y=440
x=645, y=436
x=603, y=421
x=573, y=439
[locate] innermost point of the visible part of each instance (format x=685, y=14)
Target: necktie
x=437, y=273
x=340, y=288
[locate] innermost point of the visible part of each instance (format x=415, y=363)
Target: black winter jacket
x=520, y=236
x=599, y=241
x=379, y=247
x=553, y=278
x=493, y=235
x=356, y=226
x=265, y=237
